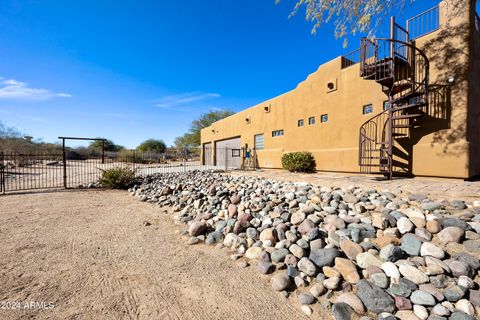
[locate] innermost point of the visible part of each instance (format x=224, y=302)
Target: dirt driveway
x=89, y=254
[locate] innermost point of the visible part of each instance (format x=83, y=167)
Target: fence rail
x=50, y=170
x=424, y=23
x=350, y=58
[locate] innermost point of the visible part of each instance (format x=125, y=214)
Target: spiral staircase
x=403, y=71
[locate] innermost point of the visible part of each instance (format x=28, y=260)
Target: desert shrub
x=299, y=162
x=117, y=178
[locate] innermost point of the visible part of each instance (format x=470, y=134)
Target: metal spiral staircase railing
x=403, y=71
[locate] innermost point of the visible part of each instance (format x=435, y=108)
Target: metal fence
x=424, y=23
x=50, y=170
x=350, y=58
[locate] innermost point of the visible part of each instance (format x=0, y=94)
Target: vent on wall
x=267, y=108
x=332, y=85
x=248, y=120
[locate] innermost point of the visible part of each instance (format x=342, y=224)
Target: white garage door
x=228, y=154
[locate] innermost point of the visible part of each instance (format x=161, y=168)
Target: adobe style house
x=404, y=105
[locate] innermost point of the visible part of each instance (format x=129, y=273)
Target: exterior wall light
x=450, y=79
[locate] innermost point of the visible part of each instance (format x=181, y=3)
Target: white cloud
x=11, y=89
x=217, y=109
x=183, y=99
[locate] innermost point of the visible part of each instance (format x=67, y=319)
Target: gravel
x=404, y=256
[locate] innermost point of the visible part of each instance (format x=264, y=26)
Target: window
x=386, y=105
x=324, y=118
x=301, y=123
x=367, y=109
x=311, y=120
x=267, y=108
x=277, y=133
x=258, y=142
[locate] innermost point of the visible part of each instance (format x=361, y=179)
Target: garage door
x=207, y=154
x=228, y=154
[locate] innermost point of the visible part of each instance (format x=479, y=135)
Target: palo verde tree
x=152, y=145
x=192, y=137
x=348, y=16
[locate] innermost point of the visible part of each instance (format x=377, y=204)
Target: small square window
x=277, y=133
x=311, y=120
x=386, y=105
x=367, y=109
x=301, y=123
x=324, y=118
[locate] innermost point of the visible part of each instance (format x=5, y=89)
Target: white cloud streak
x=11, y=89
x=183, y=99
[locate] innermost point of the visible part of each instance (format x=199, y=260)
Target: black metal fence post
x=64, y=164
x=2, y=173
x=103, y=151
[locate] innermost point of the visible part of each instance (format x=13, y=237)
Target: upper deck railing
x=351, y=58
x=424, y=23
x=417, y=26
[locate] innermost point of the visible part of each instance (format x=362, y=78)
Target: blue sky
x=132, y=70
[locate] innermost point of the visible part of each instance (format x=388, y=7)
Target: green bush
x=117, y=178
x=299, y=162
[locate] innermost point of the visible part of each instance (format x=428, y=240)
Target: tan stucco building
x=325, y=112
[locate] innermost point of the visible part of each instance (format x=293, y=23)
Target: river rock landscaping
x=362, y=253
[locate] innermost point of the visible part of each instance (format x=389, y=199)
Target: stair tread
x=409, y=106
x=408, y=116
x=400, y=126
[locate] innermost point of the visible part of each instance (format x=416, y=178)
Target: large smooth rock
x=265, y=267
x=413, y=274
x=422, y=298
x=253, y=252
x=197, y=228
x=411, y=244
x=280, y=282
x=268, y=234
x=347, y=269
x=375, y=298
x=307, y=266
x=350, y=248
x=297, y=217
x=324, y=257
x=342, y=311
x=454, y=293
x=278, y=255
x=366, y=259
x=391, y=270
x=429, y=249
x=404, y=225
x=451, y=234
x=353, y=301
x=306, y=298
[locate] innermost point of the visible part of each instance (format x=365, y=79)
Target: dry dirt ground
x=90, y=255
